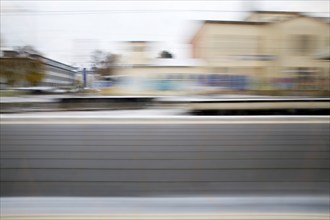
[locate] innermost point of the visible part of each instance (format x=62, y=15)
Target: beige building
x=142, y=74
x=268, y=50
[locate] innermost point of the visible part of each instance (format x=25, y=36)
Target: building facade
x=56, y=74
x=268, y=50
x=141, y=74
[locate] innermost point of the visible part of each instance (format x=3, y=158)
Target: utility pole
x=84, y=72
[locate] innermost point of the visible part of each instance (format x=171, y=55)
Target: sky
x=69, y=30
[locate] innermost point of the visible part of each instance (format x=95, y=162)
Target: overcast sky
x=68, y=30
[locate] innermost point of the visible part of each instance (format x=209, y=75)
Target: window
x=303, y=44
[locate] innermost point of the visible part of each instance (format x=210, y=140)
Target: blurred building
x=140, y=73
x=268, y=50
x=57, y=74
x=138, y=53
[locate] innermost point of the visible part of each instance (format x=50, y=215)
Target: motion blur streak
x=175, y=170
x=165, y=159
x=184, y=217
x=192, y=208
x=81, y=119
x=122, y=109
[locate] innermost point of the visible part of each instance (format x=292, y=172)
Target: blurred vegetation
x=166, y=54
x=104, y=63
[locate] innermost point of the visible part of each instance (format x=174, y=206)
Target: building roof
x=298, y=14
x=245, y=22
x=235, y=22
x=277, y=12
x=225, y=22
x=34, y=55
x=51, y=60
x=293, y=13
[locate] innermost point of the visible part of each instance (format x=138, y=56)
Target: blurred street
x=173, y=155
x=162, y=165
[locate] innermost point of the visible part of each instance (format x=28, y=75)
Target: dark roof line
x=298, y=15
x=138, y=41
x=278, y=12
x=236, y=22
x=41, y=56
x=53, y=60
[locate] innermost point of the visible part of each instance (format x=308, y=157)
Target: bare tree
x=104, y=63
x=97, y=57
